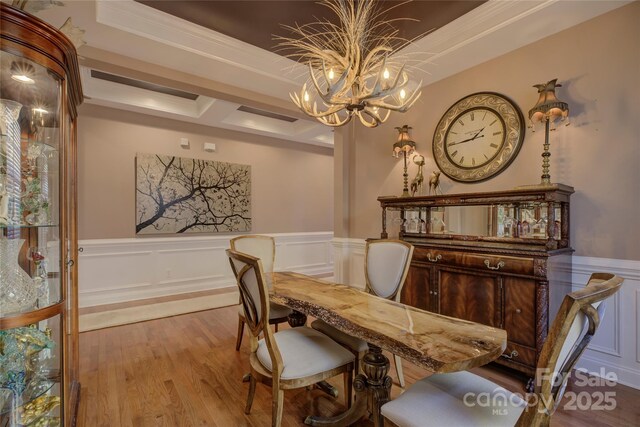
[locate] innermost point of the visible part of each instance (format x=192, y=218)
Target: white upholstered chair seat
x=305, y=352
x=460, y=399
x=456, y=399
x=276, y=311
x=355, y=344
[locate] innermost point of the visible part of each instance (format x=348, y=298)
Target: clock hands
x=469, y=139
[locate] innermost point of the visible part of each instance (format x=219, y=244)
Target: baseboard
x=626, y=376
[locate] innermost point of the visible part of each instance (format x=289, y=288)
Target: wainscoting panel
x=614, y=349
x=309, y=256
x=122, y=270
x=349, y=262
x=616, y=346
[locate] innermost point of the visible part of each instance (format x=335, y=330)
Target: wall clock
x=478, y=137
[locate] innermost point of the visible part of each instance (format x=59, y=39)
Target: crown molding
x=496, y=28
x=487, y=18
x=145, y=21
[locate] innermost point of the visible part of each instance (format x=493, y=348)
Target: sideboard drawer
x=496, y=263
x=489, y=263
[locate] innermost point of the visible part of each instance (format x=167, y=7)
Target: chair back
x=386, y=267
x=577, y=320
x=254, y=297
x=261, y=247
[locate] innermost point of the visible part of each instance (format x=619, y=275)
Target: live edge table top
x=435, y=342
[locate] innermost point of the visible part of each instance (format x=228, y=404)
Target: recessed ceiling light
x=22, y=72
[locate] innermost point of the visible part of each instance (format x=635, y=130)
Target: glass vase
x=18, y=291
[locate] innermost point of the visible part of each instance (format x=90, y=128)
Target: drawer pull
x=513, y=354
x=436, y=259
x=497, y=267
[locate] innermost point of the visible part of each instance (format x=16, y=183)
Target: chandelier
x=353, y=66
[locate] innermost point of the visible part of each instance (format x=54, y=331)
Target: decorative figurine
x=434, y=183
x=418, y=181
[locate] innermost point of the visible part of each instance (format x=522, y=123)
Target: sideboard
x=488, y=257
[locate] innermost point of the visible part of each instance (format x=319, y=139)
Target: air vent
x=142, y=85
x=268, y=114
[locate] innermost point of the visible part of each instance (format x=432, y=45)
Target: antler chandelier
x=352, y=68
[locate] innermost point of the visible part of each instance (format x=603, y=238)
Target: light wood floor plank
x=184, y=371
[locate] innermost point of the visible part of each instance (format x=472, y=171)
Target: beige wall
x=598, y=64
x=292, y=183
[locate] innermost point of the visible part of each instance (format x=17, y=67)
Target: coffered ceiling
x=210, y=49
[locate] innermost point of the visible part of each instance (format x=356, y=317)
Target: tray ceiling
x=256, y=22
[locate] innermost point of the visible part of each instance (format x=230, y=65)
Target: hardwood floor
x=184, y=371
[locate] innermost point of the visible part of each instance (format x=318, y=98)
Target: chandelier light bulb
x=331, y=74
x=306, y=96
x=385, y=75
x=403, y=94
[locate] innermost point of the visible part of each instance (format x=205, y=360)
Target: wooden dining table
x=435, y=342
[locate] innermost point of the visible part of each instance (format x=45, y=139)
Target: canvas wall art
x=181, y=195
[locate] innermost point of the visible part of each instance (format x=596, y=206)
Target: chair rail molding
x=615, y=348
x=122, y=270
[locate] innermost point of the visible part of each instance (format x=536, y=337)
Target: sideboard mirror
x=533, y=216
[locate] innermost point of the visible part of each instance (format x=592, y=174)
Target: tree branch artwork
x=180, y=195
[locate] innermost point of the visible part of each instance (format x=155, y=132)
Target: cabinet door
x=469, y=296
x=520, y=310
x=417, y=288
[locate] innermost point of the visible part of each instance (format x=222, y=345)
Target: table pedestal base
x=373, y=389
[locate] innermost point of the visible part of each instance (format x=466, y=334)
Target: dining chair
x=288, y=359
x=386, y=267
x=462, y=398
x=264, y=248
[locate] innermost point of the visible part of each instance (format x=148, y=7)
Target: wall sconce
x=405, y=146
x=548, y=109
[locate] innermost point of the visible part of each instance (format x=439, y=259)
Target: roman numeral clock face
x=474, y=138
x=478, y=137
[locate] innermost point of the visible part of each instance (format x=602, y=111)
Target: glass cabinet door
x=31, y=281
x=29, y=187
